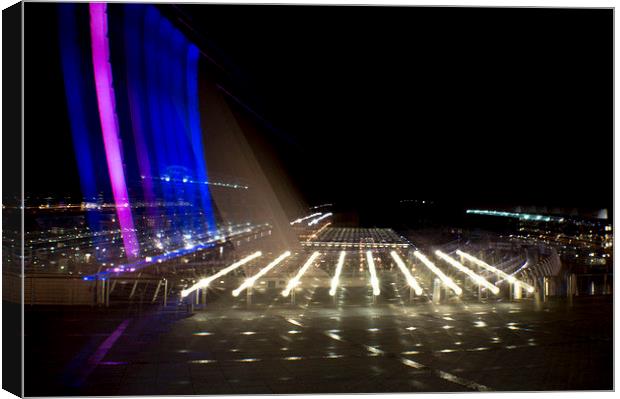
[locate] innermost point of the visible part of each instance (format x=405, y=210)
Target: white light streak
x=206, y=281
x=504, y=275
x=250, y=281
x=306, y=218
x=475, y=277
x=316, y=233
x=445, y=279
x=295, y=280
x=413, y=283
x=336, y=278
x=374, y=281
x=315, y=221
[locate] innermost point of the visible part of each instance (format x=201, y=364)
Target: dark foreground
x=320, y=349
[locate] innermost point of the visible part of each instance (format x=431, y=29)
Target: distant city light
x=520, y=216
x=321, y=206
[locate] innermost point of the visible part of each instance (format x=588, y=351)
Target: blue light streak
x=156, y=94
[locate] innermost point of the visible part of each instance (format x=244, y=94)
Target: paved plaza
x=316, y=346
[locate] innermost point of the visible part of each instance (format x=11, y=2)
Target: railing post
x=133, y=289
x=101, y=293
x=570, y=288
x=436, y=291
x=518, y=291
x=156, y=291
x=165, y=293
x=107, y=294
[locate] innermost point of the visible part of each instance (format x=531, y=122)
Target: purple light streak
x=109, y=125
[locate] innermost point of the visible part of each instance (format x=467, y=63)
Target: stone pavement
x=321, y=349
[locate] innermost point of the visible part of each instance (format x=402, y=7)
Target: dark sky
x=482, y=106
x=493, y=105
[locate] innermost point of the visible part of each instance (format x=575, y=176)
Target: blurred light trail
x=475, y=277
x=109, y=125
x=336, y=278
x=521, y=216
x=413, y=283
x=306, y=218
x=195, y=132
x=321, y=206
x=315, y=221
x=316, y=233
x=168, y=255
x=374, y=281
x=501, y=273
x=525, y=265
x=445, y=279
x=206, y=281
x=295, y=280
x=249, y=282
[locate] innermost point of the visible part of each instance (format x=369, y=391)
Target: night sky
x=484, y=107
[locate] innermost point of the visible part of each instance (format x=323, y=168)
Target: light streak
x=316, y=233
x=475, y=277
x=521, y=216
x=306, y=218
x=315, y=221
x=445, y=279
x=321, y=206
x=413, y=283
x=336, y=278
x=203, y=283
x=250, y=281
x=109, y=127
x=196, y=134
x=374, y=281
x=486, y=266
x=295, y=280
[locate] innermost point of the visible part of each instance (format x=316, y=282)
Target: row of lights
x=169, y=179
x=374, y=281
